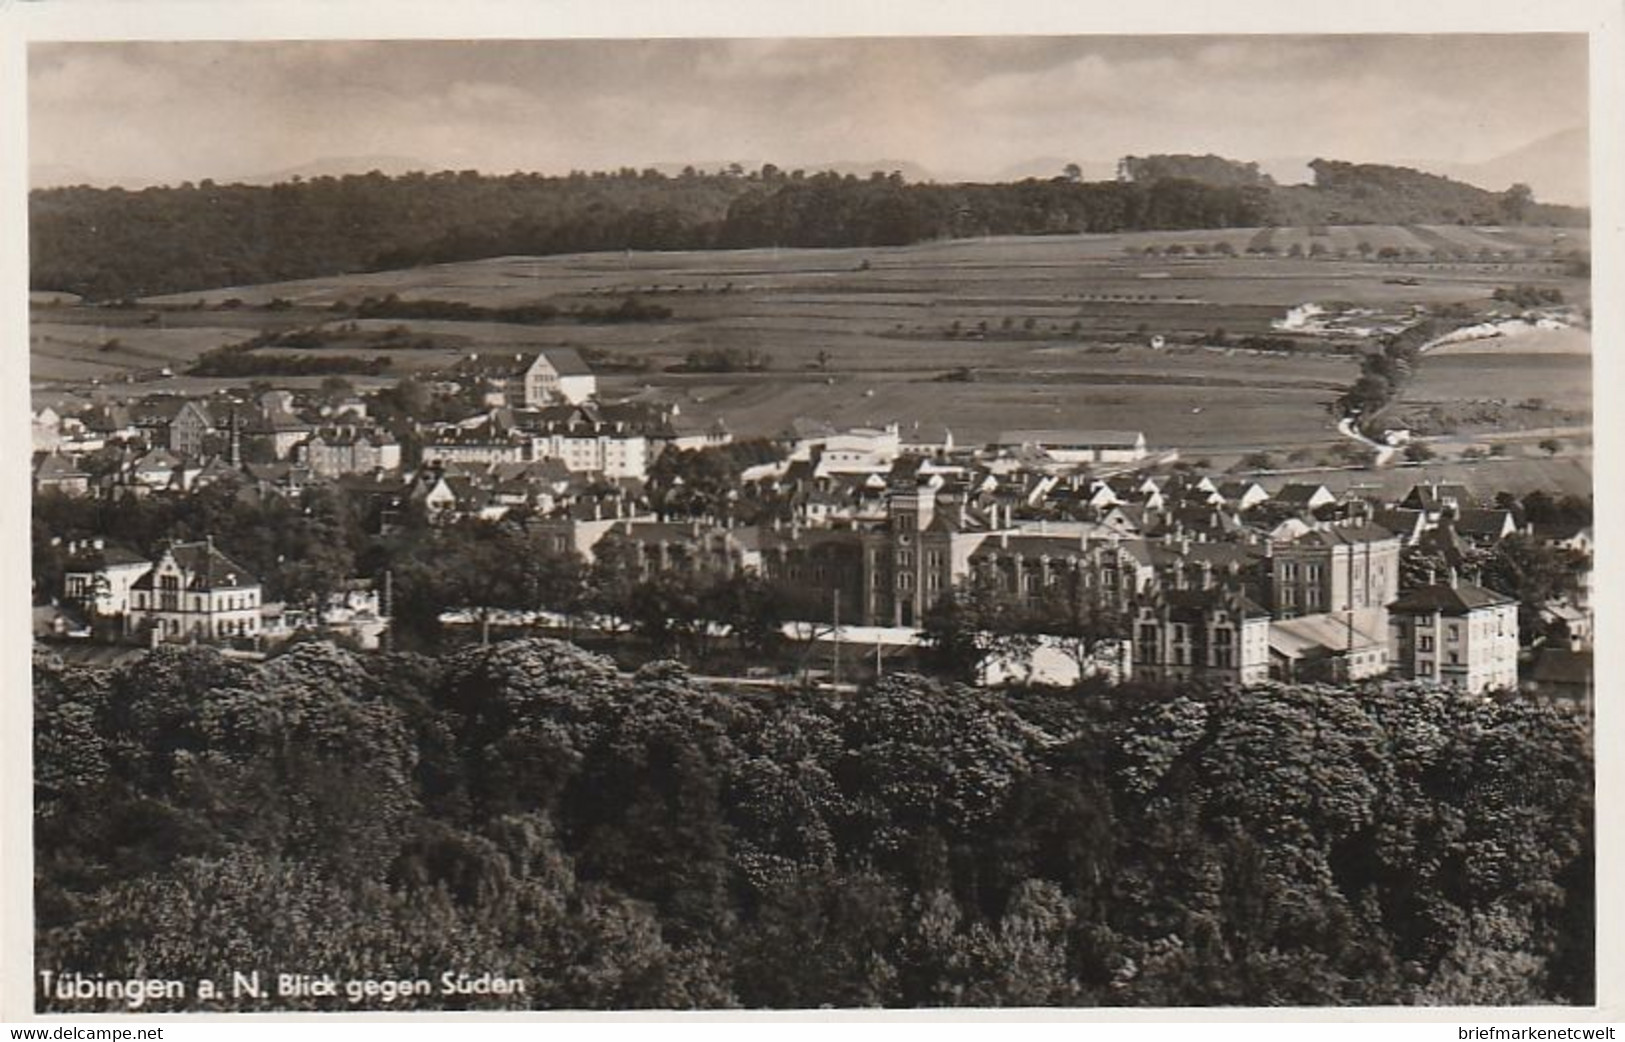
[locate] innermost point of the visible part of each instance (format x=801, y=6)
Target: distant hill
x=1375, y=193
x=1206, y=169
x=1045, y=167
x=60, y=175
x=911, y=171
x=107, y=244
x=1557, y=167
x=342, y=166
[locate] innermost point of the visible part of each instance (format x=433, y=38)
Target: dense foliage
x=630, y=309
x=112, y=243
x=244, y=360
x=641, y=841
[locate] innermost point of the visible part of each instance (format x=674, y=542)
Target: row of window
x=1219, y=657
x=225, y=628
x=170, y=600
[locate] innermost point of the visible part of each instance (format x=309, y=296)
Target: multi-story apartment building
x=657, y=547
x=485, y=443
x=597, y=450
x=1336, y=569
x=1215, y=633
x=1456, y=635
x=339, y=449
x=824, y=568
x=1087, y=568
x=917, y=555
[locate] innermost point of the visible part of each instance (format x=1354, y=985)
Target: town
x=1045, y=555
x=824, y=522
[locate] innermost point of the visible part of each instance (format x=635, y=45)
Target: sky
x=957, y=107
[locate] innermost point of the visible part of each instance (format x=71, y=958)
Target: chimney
x=1454, y=578
x=1207, y=575
x=1433, y=577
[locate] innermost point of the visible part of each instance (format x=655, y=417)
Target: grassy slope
x=883, y=319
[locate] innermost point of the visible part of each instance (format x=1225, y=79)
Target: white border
x=25, y=20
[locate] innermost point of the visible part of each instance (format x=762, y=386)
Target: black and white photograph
x=1001, y=520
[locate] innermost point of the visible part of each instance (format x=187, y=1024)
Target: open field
x=996, y=270
x=73, y=352
x=974, y=335
x=1570, y=475
x=1237, y=418
x=1562, y=380
x=1524, y=340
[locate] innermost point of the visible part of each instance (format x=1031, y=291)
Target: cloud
x=969, y=105
x=758, y=60
x=485, y=97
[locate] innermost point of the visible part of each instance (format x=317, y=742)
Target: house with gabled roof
x=111, y=421
x=274, y=429
x=189, y=429
x=1565, y=535
x=99, y=573
x=1562, y=674
x=194, y=592
x=58, y=473
x=1409, y=525
x=1304, y=497
x=1483, y=528
x=153, y=471
x=1243, y=495
x=214, y=470
x=558, y=373
x=1438, y=498
x=930, y=439
x=46, y=430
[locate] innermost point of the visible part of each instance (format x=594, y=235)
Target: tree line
x=630, y=309
x=112, y=243
x=638, y=840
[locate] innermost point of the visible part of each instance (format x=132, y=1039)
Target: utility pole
x=1349, y=656
x=387, y=610
x=835, y=655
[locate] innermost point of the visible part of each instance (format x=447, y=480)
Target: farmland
x=973, y=335
x=1483, y=478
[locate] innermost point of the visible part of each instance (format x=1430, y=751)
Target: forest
x=637, y=840
x=110, y=244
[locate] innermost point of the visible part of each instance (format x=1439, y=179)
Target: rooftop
x=205, y=568
x=1071, y=438
x=1448, y=600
